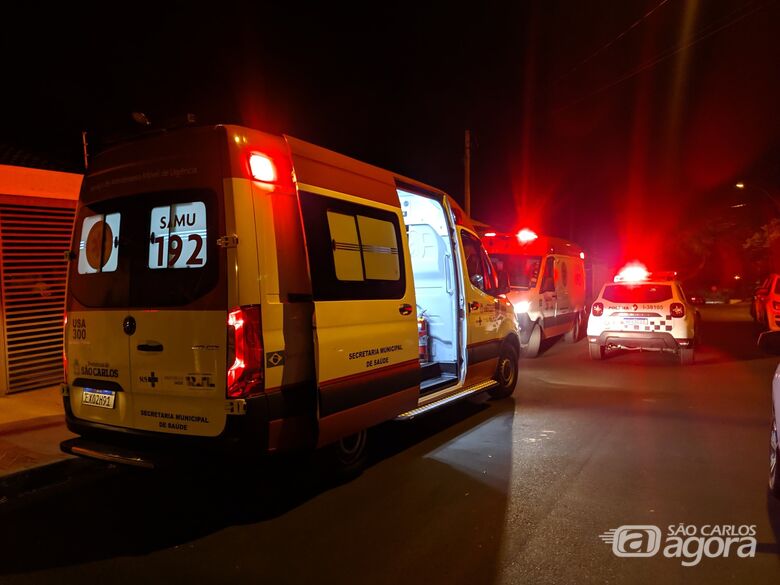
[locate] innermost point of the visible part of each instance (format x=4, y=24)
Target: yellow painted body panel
x=180, y=389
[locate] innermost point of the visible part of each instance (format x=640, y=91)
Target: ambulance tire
x=685, y=355
x=596, y=351
x=531, y=350
x=573, y=334
x=344, y=459
x=506, y=373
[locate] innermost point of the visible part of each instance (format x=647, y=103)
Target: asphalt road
x=516, y=491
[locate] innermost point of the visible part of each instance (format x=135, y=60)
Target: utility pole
x=84, y=146
x=467, y=174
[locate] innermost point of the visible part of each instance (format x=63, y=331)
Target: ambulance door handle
x=153, y=346
x=405, y=309
x=447, y=273
x=473, y=306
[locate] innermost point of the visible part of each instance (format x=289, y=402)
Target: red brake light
x=262, y=168
x=776, y=305
x=245, y=352
x=597, y=309
x=677, y=310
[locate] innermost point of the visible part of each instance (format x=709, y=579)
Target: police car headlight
x=522, y=307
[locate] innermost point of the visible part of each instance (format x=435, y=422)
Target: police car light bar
x=525, y=235
x=632, y=273
x=665, y=275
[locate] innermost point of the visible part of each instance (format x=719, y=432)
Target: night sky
x=614, y=122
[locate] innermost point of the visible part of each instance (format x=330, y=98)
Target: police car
x=643, y=312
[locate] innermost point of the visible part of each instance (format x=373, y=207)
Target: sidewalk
x=32, y=425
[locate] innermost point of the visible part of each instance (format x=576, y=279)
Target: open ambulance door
x=365, y=318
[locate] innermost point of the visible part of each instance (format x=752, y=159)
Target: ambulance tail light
x=776, y=305
x=677, y=310
x=246, y=374
x=597, y=309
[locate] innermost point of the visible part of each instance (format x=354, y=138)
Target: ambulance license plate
x=635, y=320
x=98, y=397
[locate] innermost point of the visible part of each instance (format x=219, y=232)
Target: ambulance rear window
x=638, y=293
x=146, y=250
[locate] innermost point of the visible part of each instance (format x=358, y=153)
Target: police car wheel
x=685, y=355
x=531, y=350
x=596, y=351
x=506, y=373
x=774, y=452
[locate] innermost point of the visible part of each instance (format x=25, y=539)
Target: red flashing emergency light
x=634, y=272
x=525, y=236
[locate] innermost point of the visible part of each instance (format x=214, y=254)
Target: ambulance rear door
x=146, y=336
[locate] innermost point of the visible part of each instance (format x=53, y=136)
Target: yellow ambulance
x=230, y=287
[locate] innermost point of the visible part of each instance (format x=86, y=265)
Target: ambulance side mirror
x=503, y=284
x=769, y=342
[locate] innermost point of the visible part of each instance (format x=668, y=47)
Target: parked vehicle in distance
x=765, y=305
x=769, y=341
x=696, y=299
x=231, y=288
x=547, y=284
x=645, y=312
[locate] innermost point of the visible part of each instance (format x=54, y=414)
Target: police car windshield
x=638, y=293
x=523, y=270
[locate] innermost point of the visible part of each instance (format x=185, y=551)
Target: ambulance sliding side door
x=562, y=277
x=365, y=325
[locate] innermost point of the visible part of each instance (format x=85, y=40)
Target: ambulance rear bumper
x=269, y=424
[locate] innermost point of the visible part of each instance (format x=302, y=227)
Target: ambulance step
x=103, y=452
x=460, y=394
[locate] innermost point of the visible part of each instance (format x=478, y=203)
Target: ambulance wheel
x=596, y=351
x=506, y=373
x=531, y=350
x=344, y=459
x=774, y=453
x=686, y=356
x=573, y=334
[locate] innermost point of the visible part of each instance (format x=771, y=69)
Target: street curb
x=34, y=479
x=31, y=424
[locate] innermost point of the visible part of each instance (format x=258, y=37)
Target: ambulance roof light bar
x=525, y=236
